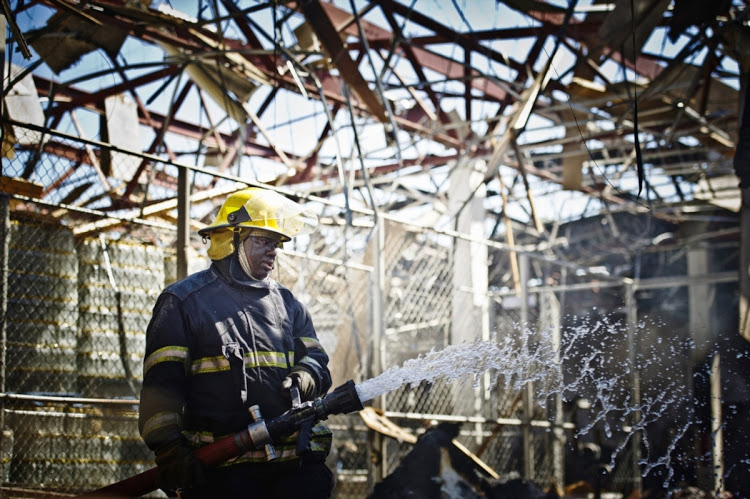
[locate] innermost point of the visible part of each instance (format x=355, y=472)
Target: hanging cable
x=121, y=334
x=365, y=176
x=634, y=101
x=324, y=102
x=392, y=132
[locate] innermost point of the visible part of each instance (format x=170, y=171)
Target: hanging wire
x=321, y=95
x=634, y=101
x=121, y=333
x=569, y=13
x=392, y=131
x=365, y=175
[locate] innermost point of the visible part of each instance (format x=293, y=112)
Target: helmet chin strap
x=242, y=256
x=236, y=238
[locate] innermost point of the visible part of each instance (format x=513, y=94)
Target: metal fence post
x=378, y=466
x=550, y=308
x=528, y=390
x=183, y=222
x=717, y=425
x=5, y=235
x=4, y=242
x=632, y=314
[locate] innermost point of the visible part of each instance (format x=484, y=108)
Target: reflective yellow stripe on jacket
x=311, y=343
x=158, y=421
x=251, y=359
x=165, y=354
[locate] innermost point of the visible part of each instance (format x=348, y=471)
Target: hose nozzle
x=342, y=400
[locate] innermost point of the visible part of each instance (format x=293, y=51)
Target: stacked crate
x=196, y=262
x=118, y=286
x=73, y=330
x=42, y=309
x=73, y=448
x=41, y=334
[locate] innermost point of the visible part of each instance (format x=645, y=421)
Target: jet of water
x=511, y=361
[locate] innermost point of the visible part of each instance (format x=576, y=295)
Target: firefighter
x=225, y=339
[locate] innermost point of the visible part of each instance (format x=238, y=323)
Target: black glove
x=308, y=388
x=177, y=467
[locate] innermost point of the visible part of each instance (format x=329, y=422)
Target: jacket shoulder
x=281, y=288
x=286, y=294
x=192, y=283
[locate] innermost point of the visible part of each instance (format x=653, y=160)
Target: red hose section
x=143, y=483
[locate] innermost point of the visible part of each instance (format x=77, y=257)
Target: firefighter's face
x=261, y=255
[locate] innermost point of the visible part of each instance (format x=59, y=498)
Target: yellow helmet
x=255, y=209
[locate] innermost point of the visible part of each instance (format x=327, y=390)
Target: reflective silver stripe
x=260, y=456
x=310, y=361
x=210, y=365
x=255, y=455
x=265, y=359
x=310, y=342
x=160, y=420
x=286, y=447
x=165, y=354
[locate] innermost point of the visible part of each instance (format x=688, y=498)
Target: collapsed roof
x=567, y=110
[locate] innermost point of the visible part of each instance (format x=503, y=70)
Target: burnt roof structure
x=602, y=140
x=568, y=108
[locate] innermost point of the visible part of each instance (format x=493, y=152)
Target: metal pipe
x=66, y=400
x=717, y=425
x=4, y=251
x=638, y=285
x=378, y=464
x=478, y=420
x=528, y=389
x=183, y=222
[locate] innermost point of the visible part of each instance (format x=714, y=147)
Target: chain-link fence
x=80, y=279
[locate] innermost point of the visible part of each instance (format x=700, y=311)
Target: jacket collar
x=230, y=269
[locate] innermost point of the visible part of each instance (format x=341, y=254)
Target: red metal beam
x=331, y=40
x=84, y=99
x=424, y=58
x=179, y=127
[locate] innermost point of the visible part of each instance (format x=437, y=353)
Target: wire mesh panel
x=118, y=286
x=350, y=456
x=76, y=304
x=336, y=288
x=42, y=311
x=70, y=334
x=75, y=447
x=418, y=315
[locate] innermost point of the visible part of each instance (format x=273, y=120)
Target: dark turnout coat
x=217, y=344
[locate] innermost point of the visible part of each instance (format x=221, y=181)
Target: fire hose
x=259, y=434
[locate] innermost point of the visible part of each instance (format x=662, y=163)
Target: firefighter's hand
x=308, y=389
x=177, y=468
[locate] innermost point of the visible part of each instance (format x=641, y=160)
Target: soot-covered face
x=261, y=255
